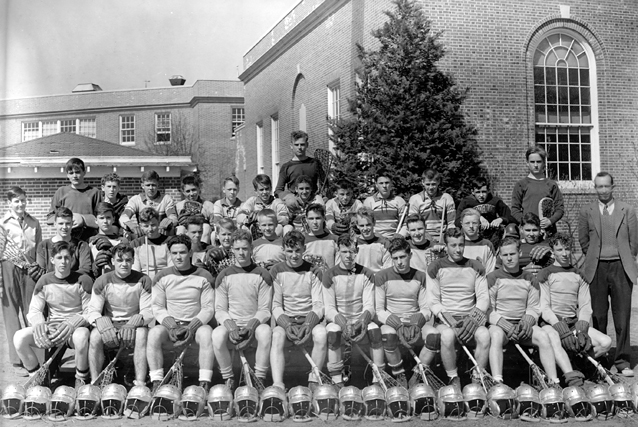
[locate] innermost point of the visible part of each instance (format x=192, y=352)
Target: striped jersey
x=564, y=294
x=62, y=298
x=400, y=294
x=222, y=208
x=386, y=213
x=440, y=209
x=325, y=246
x=481, y=250
x=422, y=255
x=372, y=253
x=121, y=298
x=512, y=295
x=162, y=203
x=153, y=257
x=267, y=253
x=349, y=293
x=457, y=287
x=296, y=290
x=243, y=293
x=183, y=295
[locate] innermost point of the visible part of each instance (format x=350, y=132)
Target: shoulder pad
x=477, y=266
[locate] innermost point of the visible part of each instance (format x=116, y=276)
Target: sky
x=47, y=47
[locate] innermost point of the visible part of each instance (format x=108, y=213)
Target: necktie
x=605, y=210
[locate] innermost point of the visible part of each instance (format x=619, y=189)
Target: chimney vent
x=177, y=80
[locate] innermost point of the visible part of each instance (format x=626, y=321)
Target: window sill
x=576, y=187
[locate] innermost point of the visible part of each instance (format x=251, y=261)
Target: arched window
x=565, y=99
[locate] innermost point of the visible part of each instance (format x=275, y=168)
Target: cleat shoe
x=402, y=379
x=156, y=385
x=456, y=382
x=339, y=385
x=230, y=383
x=20, y=371
x=627, y=372
x=79, y=382
x=205, y=385
x=312, y=385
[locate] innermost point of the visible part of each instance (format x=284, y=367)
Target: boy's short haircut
x=150, y=176
x=103, y=207
x=191, y=179
x=367, y=214
x=15, y=192
x=316, y=207
x=111, y=177
x=122, y=249
x=412, y=218
x=62, y=245
x=194, y=220
x=147, y=214
x=604, y=174
x=347, y=241
x=343, y=184
x=267, y=213
x=398, y=244
x=536, y=150
x=563, y=239
x=232, y=179
x=432, y=175
x=263, y=180
x=295, y=135
x=470, y=212
x=531, y=218
x=241, y=235
x=75, y=163
x=63, y=212
x=453, y=233
x=302, y=179
x=226, y=224
x=383, y=173
x=510, y=241
x=180, y=239
x=293, y=239
x=480, y=182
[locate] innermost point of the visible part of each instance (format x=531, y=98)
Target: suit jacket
x=590, y=237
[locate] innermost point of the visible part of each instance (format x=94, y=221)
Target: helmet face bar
x=246, y=404
x=12, y=401
x=398, y=404
x=300, y=404
x=325, y=402
x=475, y=400
x=451, y=403
x=62, y=404
x=166, y=403
x=113, y=400
x=553, y=407
x=193, y=403
x=137, y=402
x=623, y=404
x=351, y=403
x=273, y=405
x=423, y=401
x=87, y=402
x=529, y=404
x=502, y=403
x=220, y=403
x=374, y=402
x=37, y=403
x=601, y=401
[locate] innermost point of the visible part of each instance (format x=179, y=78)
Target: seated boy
x=243, y=296
x=302, y=195
x=151, y=251
x=111, y=194
x=424, y=249
x=476, y=247
x=348, y=295
x=566, y=308
x=341, y=208
x=535, y=252
x=57, y=314
x=221, y=256
x=120, y=310
x=297, y=308
x=457, y=294
x=435, y=206
x=194, y=205
x=372, y=252
x=402, y=309
x=386, y=207
x=263, y=199
x=267, y=250
x=194, y=229
x=227, y=206
x=321, y=246
x=152, y=197
x=107, y=237
x=515, y=309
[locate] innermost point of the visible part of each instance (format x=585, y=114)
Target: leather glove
x=346, y=329
x=216, y=254
x=470, y=324
x=233, y=331
x=360, y=327
x=582, y=335
x=526, y=327
x=252, y=218
x=189, y=334
x=35, y=272
x=284, y=322
x=509, y=328
x=248, y=333
x=183, y=217
x=129, y=329
x=448, y=319
x=567, y=338
x=66, y=329
x=107, y=331
x=338, y=228
x=165, y=225
x=411, y=334
x=291, y=201
x=135, y=228
x=305, y=333
x=418, y=319
x=171, y=325
x=41, y=336
x=539, y=252
x=102, y=243
x=102, y=259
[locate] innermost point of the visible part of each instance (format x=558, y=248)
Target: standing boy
x=435, y=206
x=300, y=164
x=111, y=194
x=321, y=246
x=372, y=252
x=386, y=207
x=151, y=250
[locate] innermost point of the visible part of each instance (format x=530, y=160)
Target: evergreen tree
x=406, y=113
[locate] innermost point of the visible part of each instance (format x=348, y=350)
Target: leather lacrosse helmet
x=577, y=403
x=552, y=405
x=475, y=400
x=87, y=402
x=300, y=404
x=166, y=403
x=37, y=403
x=62, y=403
x=137, y=402
x=273, y=405
x=501, y=400
x=623, y=402
x=451, y=403
x=601, y=400
x=351, y=403
x=423, y=400
x=529, y=403
x=511, y=230
x=13, y=400
x=220, y=402
x=113, y=400
x=398, y=406
x=374, y=402
x=246, y=403
x=325, y=401
x=193, y=403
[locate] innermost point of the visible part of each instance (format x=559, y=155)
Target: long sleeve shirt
x=255, y=204
x=386, y=213
x=513, y=295
x=372, y=253
x=348, y=293
x=207, y=209
x=162, y=203
x=183, y=295
x=222, y=208
x=528, y=193
x=82, y=262
x=26, y=233
x=297, y=210
x=268, y=252
x=491, y=209
x=481, y=250
x=61, y=298
x=121, y=298
x=296, y=290
x=434, y=211
x=422, y=255
x=335, y=211
x=291, y=170
x=243, y=293
x=564, y=294
x=153, y=257
x=400, y=294
x=457, y=287
x=82, y=201
x=324, y=245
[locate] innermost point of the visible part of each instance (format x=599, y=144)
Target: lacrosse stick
x=427, y=375
x=406, y=208
x=321, y=377
x=442, y=221
x=175, y=374
x=106, y=376
x=10, y=251
x=250, y=379
x=538, y=374
x=604, y=373
x=40, y=375
x=545, y=207
x=148, y=256
x=326, y=159
x=383, y=378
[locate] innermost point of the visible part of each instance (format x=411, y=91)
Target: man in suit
x=608, y=235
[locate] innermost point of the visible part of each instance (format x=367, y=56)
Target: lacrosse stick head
x=398, y=405
x=351, y=403
x=87, y=402
x=112, y=402
x=220, y=402
x=246, y=404
x=451, y=403
x=553, y=407
x=193, y=403
x=577, y=403
x=300, y=404
x=11, y=252
x=37, y=403
x=502, y=403
x=545, y=207
x=325, y=402
x=13, y=400
x=475, y=400
x=601, y=400
x=374, y=402
x=137, y=402
x=273, y=405
x=423, y=400
x=62, y=404
x=529, y=404
x=623, y=402
x=166, y=403
x=192, y=207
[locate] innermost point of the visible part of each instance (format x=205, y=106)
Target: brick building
x=554, y=72
x=161, y=120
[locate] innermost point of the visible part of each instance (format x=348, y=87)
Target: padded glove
x=360, y=327
x=508, y=327
x=165, y=225
x=248, y=333
x=418, y=319
x=338, y=228
x=183, y=217
x=284, y=322
x=66, y=329
x=41, y=336
x=135, y=228
x=129, y=329
x=191, y=330
x=216, y=254
x=526, y=328
x=35, y=272
x=102, y=243
x=567, y=338
x=305, y=333
x=470, y=324
x=171, y=325
x=233, y=331
x=107, y=332
x=102, y=259
x=411, y=334
x=539, y=252
x=346, y=329
x=582, y=335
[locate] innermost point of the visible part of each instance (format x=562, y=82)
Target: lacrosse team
x=435, y=297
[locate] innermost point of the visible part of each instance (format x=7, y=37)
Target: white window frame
x=89, y=123
x=72, y=123
x=238, y=117
x=163, y=130
x=259, y=130
x=127, y=139
x=56, y=127
x=274, y=144
x=35, y=129
x=334, y=108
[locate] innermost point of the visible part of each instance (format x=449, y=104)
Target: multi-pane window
x=30, y=130
x=334, y=109
x=163, y=128
x=68, y=126
x=564, y=104
x=87, y=127
x=127, y=130
x=50, y=128
x=237, y=118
